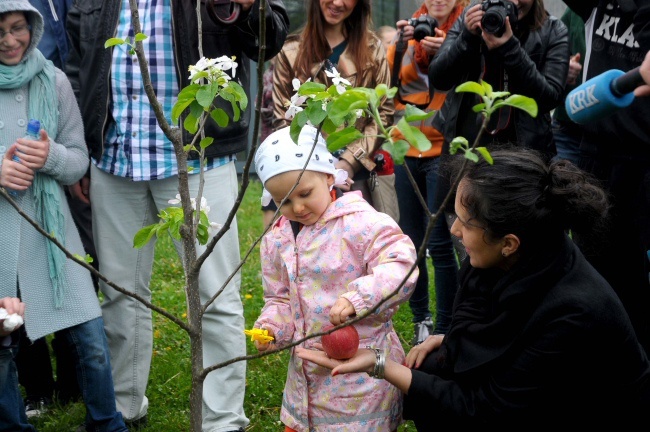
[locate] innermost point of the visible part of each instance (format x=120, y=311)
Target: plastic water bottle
x=33, y=132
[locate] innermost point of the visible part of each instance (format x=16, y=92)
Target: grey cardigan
x=23, y=262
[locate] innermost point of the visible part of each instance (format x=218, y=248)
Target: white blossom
x=337, y=80
x=215, y=69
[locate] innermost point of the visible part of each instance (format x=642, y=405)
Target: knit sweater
x=24, y=264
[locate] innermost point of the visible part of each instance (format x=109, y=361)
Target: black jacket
x=546, y=344
x=537, y=67
x=92, y=22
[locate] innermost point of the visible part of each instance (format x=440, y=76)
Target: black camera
x=424, y=26
x=494, y=19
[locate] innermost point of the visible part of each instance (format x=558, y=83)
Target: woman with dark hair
x=338, y=35
x=538, y=337
x=528, y=55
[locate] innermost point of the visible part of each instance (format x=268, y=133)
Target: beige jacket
x=359, y=153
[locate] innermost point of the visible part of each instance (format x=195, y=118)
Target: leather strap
x=360, y=154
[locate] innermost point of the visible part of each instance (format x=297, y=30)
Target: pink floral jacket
x=355, y=252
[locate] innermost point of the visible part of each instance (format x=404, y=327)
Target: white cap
x=279, y=154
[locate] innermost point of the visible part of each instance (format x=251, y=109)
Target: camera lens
x=494, y=20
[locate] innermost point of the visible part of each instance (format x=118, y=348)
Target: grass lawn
x=169, y=379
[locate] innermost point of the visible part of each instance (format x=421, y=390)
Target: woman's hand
x=363, y=361
x=341, y=310
x=418, y=353
x=15, y=175
x=33, y=153
x=473, y=18
x=493, y=41
x=406, y=30
x=431, y=44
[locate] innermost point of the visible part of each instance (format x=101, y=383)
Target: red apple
x=342, y=343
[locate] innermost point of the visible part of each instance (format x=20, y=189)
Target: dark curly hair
x=521, y=194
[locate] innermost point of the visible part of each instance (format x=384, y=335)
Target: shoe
x=422, y=331
x=34, y=407
x=137, y=424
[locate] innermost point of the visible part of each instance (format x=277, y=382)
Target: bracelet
x=380, y=364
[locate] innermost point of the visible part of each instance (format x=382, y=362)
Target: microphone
x=603, y=94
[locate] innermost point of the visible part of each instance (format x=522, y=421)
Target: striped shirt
x=135, y=146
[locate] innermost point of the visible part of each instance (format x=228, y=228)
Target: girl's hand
x=15, y=175
x=341, y=310
x=418, y=353
x=265, y=346
x=33, y=153
x=473, y=18
x=493, y=41
x=363, y=361
x=431, y=44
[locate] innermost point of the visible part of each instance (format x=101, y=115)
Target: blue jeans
x=567, y=136
x=413, y=221
x=88, y=341
x=12, y=410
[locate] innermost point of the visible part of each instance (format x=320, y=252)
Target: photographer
x=529, y=58
x=418, y=41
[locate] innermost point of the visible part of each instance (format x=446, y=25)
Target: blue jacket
x=54, y=44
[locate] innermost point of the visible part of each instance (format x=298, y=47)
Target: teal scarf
x=39, y=73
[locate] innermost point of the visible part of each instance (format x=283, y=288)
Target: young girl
x=324, y=260
x=59, y=293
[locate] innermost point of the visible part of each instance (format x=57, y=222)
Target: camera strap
x=395, y=81
x=223, y=11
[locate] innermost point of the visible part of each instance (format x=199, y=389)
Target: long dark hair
x=313, y=44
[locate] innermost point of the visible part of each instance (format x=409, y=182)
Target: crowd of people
x=541, y=260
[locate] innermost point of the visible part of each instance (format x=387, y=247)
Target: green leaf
x=486, y=154
x=391, y=92
x=220, y=116
x=345, y=104
x=239, y=92
x=205, y=142
x=523, y=103
x=469, y=154
x=488, y=89
x=413, y=135
x=191, y=123
x=471, y=87
x=311, y=87
x=185, y=97
x=114, y=41
x=315, y=112
x=381, y=90
x=328, y=127
x=205, y=96
x=187, y=148
x=413, y=113
x=399, y=151
x=457, y=144
x=140, y=37
x=342, y=138
x=500, y=94
x=478, y=107
x=143, y=236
